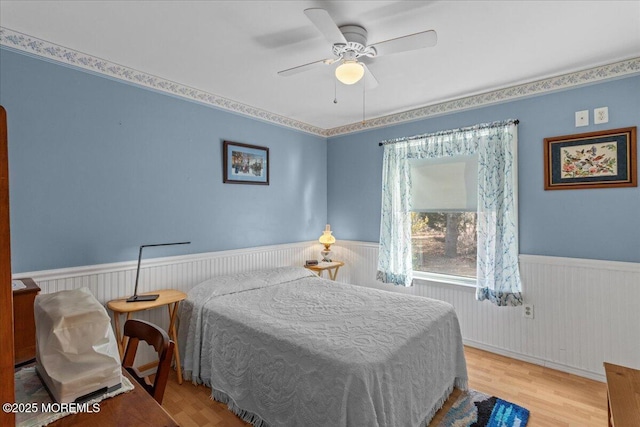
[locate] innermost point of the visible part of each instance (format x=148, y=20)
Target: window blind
x=444, y=184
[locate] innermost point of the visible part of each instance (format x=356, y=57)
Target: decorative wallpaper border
x=51, y=51
x=552, y=84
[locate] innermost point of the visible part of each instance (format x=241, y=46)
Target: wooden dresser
x=623, y=388
x=24, y=323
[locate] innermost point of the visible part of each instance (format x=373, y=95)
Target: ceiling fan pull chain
x=335, y=92
x=363, y=99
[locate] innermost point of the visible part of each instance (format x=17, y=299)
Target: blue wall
x=594, y=224
x=99, y=167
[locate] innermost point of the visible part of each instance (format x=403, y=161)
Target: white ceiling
x=233, y=49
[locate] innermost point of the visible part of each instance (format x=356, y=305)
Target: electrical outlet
x=582, y=118
x=601, y=115
x=528, y=311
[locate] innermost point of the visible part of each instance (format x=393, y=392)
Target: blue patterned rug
x=475, y=409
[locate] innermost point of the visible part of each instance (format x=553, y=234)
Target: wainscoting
x=585, y=311
x=112, y=281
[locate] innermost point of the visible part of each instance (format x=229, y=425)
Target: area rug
x=475, y=409
x=32, y=397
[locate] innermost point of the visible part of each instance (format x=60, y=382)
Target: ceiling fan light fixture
x=349, y=72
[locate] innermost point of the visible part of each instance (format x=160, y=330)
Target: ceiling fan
x=350, y=44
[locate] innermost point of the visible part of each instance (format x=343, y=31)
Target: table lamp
x=153, y=297
x=327, y=240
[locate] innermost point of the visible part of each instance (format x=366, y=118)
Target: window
x=425, y=160
x=443, y=215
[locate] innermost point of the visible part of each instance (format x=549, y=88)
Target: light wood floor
x=555, y=399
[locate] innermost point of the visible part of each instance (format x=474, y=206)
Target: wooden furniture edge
x=623, y=393
x=7, y=357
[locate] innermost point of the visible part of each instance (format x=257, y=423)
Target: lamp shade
x=349, y=72
x=327, y=239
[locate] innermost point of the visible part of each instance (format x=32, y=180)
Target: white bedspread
x=283, y=347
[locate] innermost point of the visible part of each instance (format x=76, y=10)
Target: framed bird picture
x=591, y=160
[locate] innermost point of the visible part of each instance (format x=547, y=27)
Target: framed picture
x=245, y=164
x=591, y=160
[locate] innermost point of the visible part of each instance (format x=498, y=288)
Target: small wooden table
x=169, y=297
x=623, y=395
x=331, y=268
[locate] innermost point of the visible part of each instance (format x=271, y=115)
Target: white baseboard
x=535, y=360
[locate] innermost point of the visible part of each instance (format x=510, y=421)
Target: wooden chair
x=136, y=330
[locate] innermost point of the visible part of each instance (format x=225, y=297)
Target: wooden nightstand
x=331, y=268
x=24, y=322
x=169, y=297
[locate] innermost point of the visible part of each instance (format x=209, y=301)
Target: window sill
x=445, y=278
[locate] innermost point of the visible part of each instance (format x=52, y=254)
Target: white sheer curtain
x=495, y=144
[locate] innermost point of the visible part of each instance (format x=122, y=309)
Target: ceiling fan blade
x=323, y=22
x=370, y=80
x=406, y=43
x=305, y=67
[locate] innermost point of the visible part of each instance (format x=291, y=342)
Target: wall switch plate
x=582, y=118
x=528, y=311
x=601, y=115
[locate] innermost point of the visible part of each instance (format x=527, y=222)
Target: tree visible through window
x=444, y=242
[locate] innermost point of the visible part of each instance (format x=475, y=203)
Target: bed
x=283, y=347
